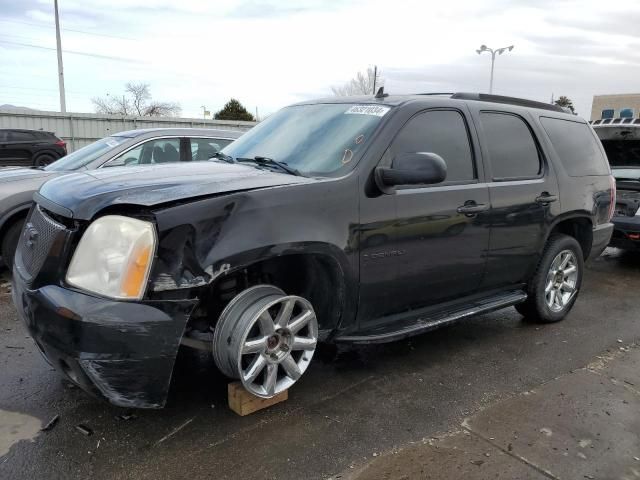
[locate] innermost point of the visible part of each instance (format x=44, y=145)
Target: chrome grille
x=38, y=236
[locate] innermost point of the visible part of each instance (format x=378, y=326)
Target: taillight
x=62, y=143
x=612, y=205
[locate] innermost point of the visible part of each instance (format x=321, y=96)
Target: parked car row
x=346, y=220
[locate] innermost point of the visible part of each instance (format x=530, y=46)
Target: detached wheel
x=10, y=243
x=266, y=339
x=554, y=288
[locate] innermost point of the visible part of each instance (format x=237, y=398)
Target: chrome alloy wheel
x=266, y=339
x=561, y=280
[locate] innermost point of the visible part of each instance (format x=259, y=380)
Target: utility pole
x=493, y=52
x=63, y=102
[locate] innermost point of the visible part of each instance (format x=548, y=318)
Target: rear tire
x=555, y=286
x=43, y=160
x=10, y=242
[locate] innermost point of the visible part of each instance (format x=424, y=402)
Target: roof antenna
x=381, y=93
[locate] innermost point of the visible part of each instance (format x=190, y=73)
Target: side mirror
x=412, y=169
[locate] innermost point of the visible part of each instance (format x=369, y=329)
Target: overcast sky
x=270, y=53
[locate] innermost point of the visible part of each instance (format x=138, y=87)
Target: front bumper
x=626, y=234
x=123, y=352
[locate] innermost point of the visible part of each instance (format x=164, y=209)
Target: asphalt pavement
x=350, y=414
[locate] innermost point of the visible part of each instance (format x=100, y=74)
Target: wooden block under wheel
x=244, y=403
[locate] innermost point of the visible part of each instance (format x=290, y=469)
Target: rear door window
x=577, y=147
x=513, y=152
x=205, y=148
x=16, y=136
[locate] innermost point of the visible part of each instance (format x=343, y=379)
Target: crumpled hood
x=12, y=174
x=84, y=194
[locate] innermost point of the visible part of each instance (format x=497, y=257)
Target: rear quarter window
x=576, y=146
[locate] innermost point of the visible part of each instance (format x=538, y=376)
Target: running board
x=421, y=323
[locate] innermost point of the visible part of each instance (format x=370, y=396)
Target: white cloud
x=270, y=53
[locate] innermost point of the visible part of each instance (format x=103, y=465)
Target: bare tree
x=135, y=101
x=362, y=84
x=139, y=95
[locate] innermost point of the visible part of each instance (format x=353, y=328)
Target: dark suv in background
x=351, y=219
x=29, y=148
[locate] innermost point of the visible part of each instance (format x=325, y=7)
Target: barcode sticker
x=375, y=110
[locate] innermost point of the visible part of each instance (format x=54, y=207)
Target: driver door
x=437, y=242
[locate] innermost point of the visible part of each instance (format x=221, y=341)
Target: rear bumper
x=123, y=352
x=601, y=237
x=626, y=233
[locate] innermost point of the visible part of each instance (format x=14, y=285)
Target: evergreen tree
x=234, y=110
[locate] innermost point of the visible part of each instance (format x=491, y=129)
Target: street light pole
x=63, y=102
x=493, y=52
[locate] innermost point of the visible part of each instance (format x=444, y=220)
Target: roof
x=208, y=132
x=396, y=100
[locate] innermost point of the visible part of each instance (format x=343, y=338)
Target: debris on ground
x=127, y=416
x=51, y=424
x=83, y=429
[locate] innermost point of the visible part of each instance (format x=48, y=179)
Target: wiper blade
x=223, y=157
x=260, y=160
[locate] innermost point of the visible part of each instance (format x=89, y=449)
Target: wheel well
x=579, y=228
x=316, y=277
x=16, y=217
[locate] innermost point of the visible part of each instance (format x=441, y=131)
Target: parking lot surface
x=348, y=410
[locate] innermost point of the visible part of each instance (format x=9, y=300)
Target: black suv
x=352, y=219
x=26, y=148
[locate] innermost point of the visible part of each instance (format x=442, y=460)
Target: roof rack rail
x=522, y=102
x=436, y=93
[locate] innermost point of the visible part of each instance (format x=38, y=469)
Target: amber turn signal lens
x=135, y=276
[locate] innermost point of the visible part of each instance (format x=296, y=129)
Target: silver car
x=134, y=147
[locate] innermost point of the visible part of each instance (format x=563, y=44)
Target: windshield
x=85, y=155
x=319, y=139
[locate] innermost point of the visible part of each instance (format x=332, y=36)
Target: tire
x=43, y=160
x=10, y=242
x=554, y=289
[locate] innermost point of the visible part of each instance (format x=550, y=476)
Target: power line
x=73, y=52
x=42, y=89
x=39, y=25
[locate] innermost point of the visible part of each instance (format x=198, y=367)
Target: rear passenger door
x=524, y=195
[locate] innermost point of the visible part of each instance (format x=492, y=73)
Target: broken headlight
x=114, y=257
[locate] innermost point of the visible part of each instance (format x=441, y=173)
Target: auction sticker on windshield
x=375, y=110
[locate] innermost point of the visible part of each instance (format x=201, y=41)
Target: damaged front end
x=122, y=351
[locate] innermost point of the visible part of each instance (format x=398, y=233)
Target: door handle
x=545, y=198
x=472, y=208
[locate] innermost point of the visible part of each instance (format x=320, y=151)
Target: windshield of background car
x=320, y=139
x=85, y=155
